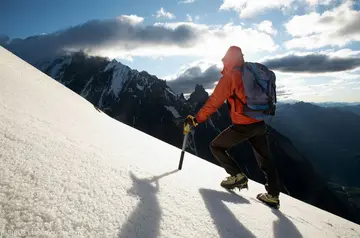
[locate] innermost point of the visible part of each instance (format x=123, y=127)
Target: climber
x=230, y=88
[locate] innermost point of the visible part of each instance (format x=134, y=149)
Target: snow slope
x=68, y=170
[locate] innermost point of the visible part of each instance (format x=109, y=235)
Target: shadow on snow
x=283, y=227
x=144, y=221
x=226, y=223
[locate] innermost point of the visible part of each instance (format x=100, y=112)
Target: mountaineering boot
x=238, y=181
x=272, y=201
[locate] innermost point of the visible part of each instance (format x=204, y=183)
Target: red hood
x=232, y=58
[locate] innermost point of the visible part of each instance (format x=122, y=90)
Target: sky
x=313, y=46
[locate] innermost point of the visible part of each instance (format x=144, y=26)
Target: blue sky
x=266, y=30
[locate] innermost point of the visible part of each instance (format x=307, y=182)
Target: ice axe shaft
x=186, y=135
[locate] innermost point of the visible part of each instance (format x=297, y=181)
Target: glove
x=190, y=120
x=189, y=123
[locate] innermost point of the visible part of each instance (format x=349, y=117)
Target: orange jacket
x=230, y=81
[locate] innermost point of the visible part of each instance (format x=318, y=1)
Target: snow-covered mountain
x=135, y=98
x=68, y=170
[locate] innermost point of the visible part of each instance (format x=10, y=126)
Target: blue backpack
x=260, y=90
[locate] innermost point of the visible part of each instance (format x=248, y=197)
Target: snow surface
x=68, y=170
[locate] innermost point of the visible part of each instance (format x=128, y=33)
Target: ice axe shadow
x=157, y=178
x=146, y=183
x=144, y=221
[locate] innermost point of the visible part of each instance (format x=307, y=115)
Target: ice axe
x=187, y=129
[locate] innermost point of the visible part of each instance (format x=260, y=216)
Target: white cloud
x=267, y=27
x=213, y=41
x=127, y=36
x=162, y=13
x=342, y=53
x=209, y=41
x=186, y=1
x=346, y=52
x=319, y=2
x=247, y=8
x=190, y=18
x=335, y=87
x=131, y=19
x=336, y=27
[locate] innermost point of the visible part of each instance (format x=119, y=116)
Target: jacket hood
x=232, y=58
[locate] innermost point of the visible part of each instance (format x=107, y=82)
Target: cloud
x=189, y=18
x=343, y=53
x=207, y=75
x=283, y=93
x=4, y=39
x=320, y=88
x=186, y=1
x=312, y=63
x=128, y=36
x=319, y=2
x=336, y=27
x=162, y=13
x=131, y=19
x=186, y=81
x=124, y=33
x=267, y=27
x=248, y=9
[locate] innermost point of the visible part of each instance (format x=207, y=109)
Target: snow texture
x=68, y=170
x=173, y=110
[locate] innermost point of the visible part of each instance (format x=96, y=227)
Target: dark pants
x=256, y=133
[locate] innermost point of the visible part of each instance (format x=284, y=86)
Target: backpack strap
x=241, y=69
x=236, y=97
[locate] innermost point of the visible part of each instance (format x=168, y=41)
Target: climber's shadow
x=144, y=221
x=226, y=223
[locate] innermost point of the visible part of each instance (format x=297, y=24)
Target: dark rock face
x=146, y=103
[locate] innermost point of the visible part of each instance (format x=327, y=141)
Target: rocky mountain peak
x=199, y=95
